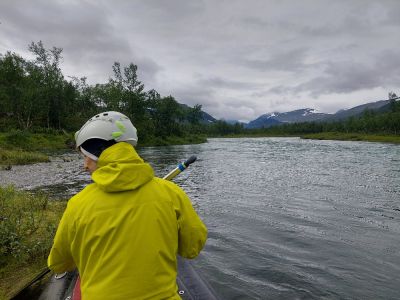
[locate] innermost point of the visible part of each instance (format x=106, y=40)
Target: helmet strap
x=88, y=154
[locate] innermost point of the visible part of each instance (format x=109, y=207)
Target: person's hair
x=96, y=146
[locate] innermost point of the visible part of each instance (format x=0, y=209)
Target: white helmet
x=110, y=125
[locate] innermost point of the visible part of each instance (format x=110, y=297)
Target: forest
x=35, y=96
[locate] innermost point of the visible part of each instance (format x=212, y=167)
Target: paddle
x=180, y=168
x=171, y=175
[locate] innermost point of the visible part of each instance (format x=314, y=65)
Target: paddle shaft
x=180, y=168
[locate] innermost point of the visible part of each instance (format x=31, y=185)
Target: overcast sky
x=238, y=59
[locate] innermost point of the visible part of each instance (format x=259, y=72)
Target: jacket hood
x=120, y=168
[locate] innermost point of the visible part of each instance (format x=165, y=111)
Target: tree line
x=369, y=122
x=36, y=96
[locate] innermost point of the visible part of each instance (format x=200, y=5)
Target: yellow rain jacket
x=123, y=231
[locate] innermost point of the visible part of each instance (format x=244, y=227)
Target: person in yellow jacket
x=124, y=231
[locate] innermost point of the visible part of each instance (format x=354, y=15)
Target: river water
x=287, y=218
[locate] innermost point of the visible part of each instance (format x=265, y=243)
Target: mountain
x=263, y=121
x=205, y=117
x=300, y=115
x=311, y=115
x=380, y=106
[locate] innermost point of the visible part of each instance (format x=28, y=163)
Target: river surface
x=287, y=218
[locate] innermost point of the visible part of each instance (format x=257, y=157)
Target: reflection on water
x=287, y=218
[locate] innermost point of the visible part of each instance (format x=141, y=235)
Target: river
x=287, y=218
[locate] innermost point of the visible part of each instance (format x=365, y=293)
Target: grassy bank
x=340, y=136
x=395, y=139
x=27, y=226
x=20, y=147
x=42, y=142
x=20, y=157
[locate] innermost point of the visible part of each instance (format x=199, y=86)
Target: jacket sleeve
x=60, y=259
x=192, y=233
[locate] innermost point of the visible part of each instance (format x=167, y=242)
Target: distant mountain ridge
x=301, y=115
x=205, y=117
x=382, y=105
x=311, y=115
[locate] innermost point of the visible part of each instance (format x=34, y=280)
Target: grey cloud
x=220, y=108
x=392, y=18
x=347, y=82
x=348, y=76
x=286, y=60
x=165, y=11
x=351, y=25
x=94, y=45
x=55, y=19
x=278, y=90
x=387, y=66
x=325, y=18
x=218, y=82
x=192, y=95
x=225, y=55
x=258, y=23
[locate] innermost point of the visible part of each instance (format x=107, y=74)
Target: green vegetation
x=354, y=137
x=18, y=157
x=40, y=109
x=36, y=97
x=34, y=141
x=27, y=226
x=22, y=147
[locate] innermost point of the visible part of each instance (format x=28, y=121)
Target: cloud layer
x=239, y=59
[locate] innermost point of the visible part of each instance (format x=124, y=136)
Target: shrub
x=24, y=232
x=17, y=138
x=18, y=157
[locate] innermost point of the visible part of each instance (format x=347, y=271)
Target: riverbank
x=395, y=139
x=337, y=136
x=21, y=148
x=20, y=157
x=28, y=223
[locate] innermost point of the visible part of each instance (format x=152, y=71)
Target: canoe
x=191, y=285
